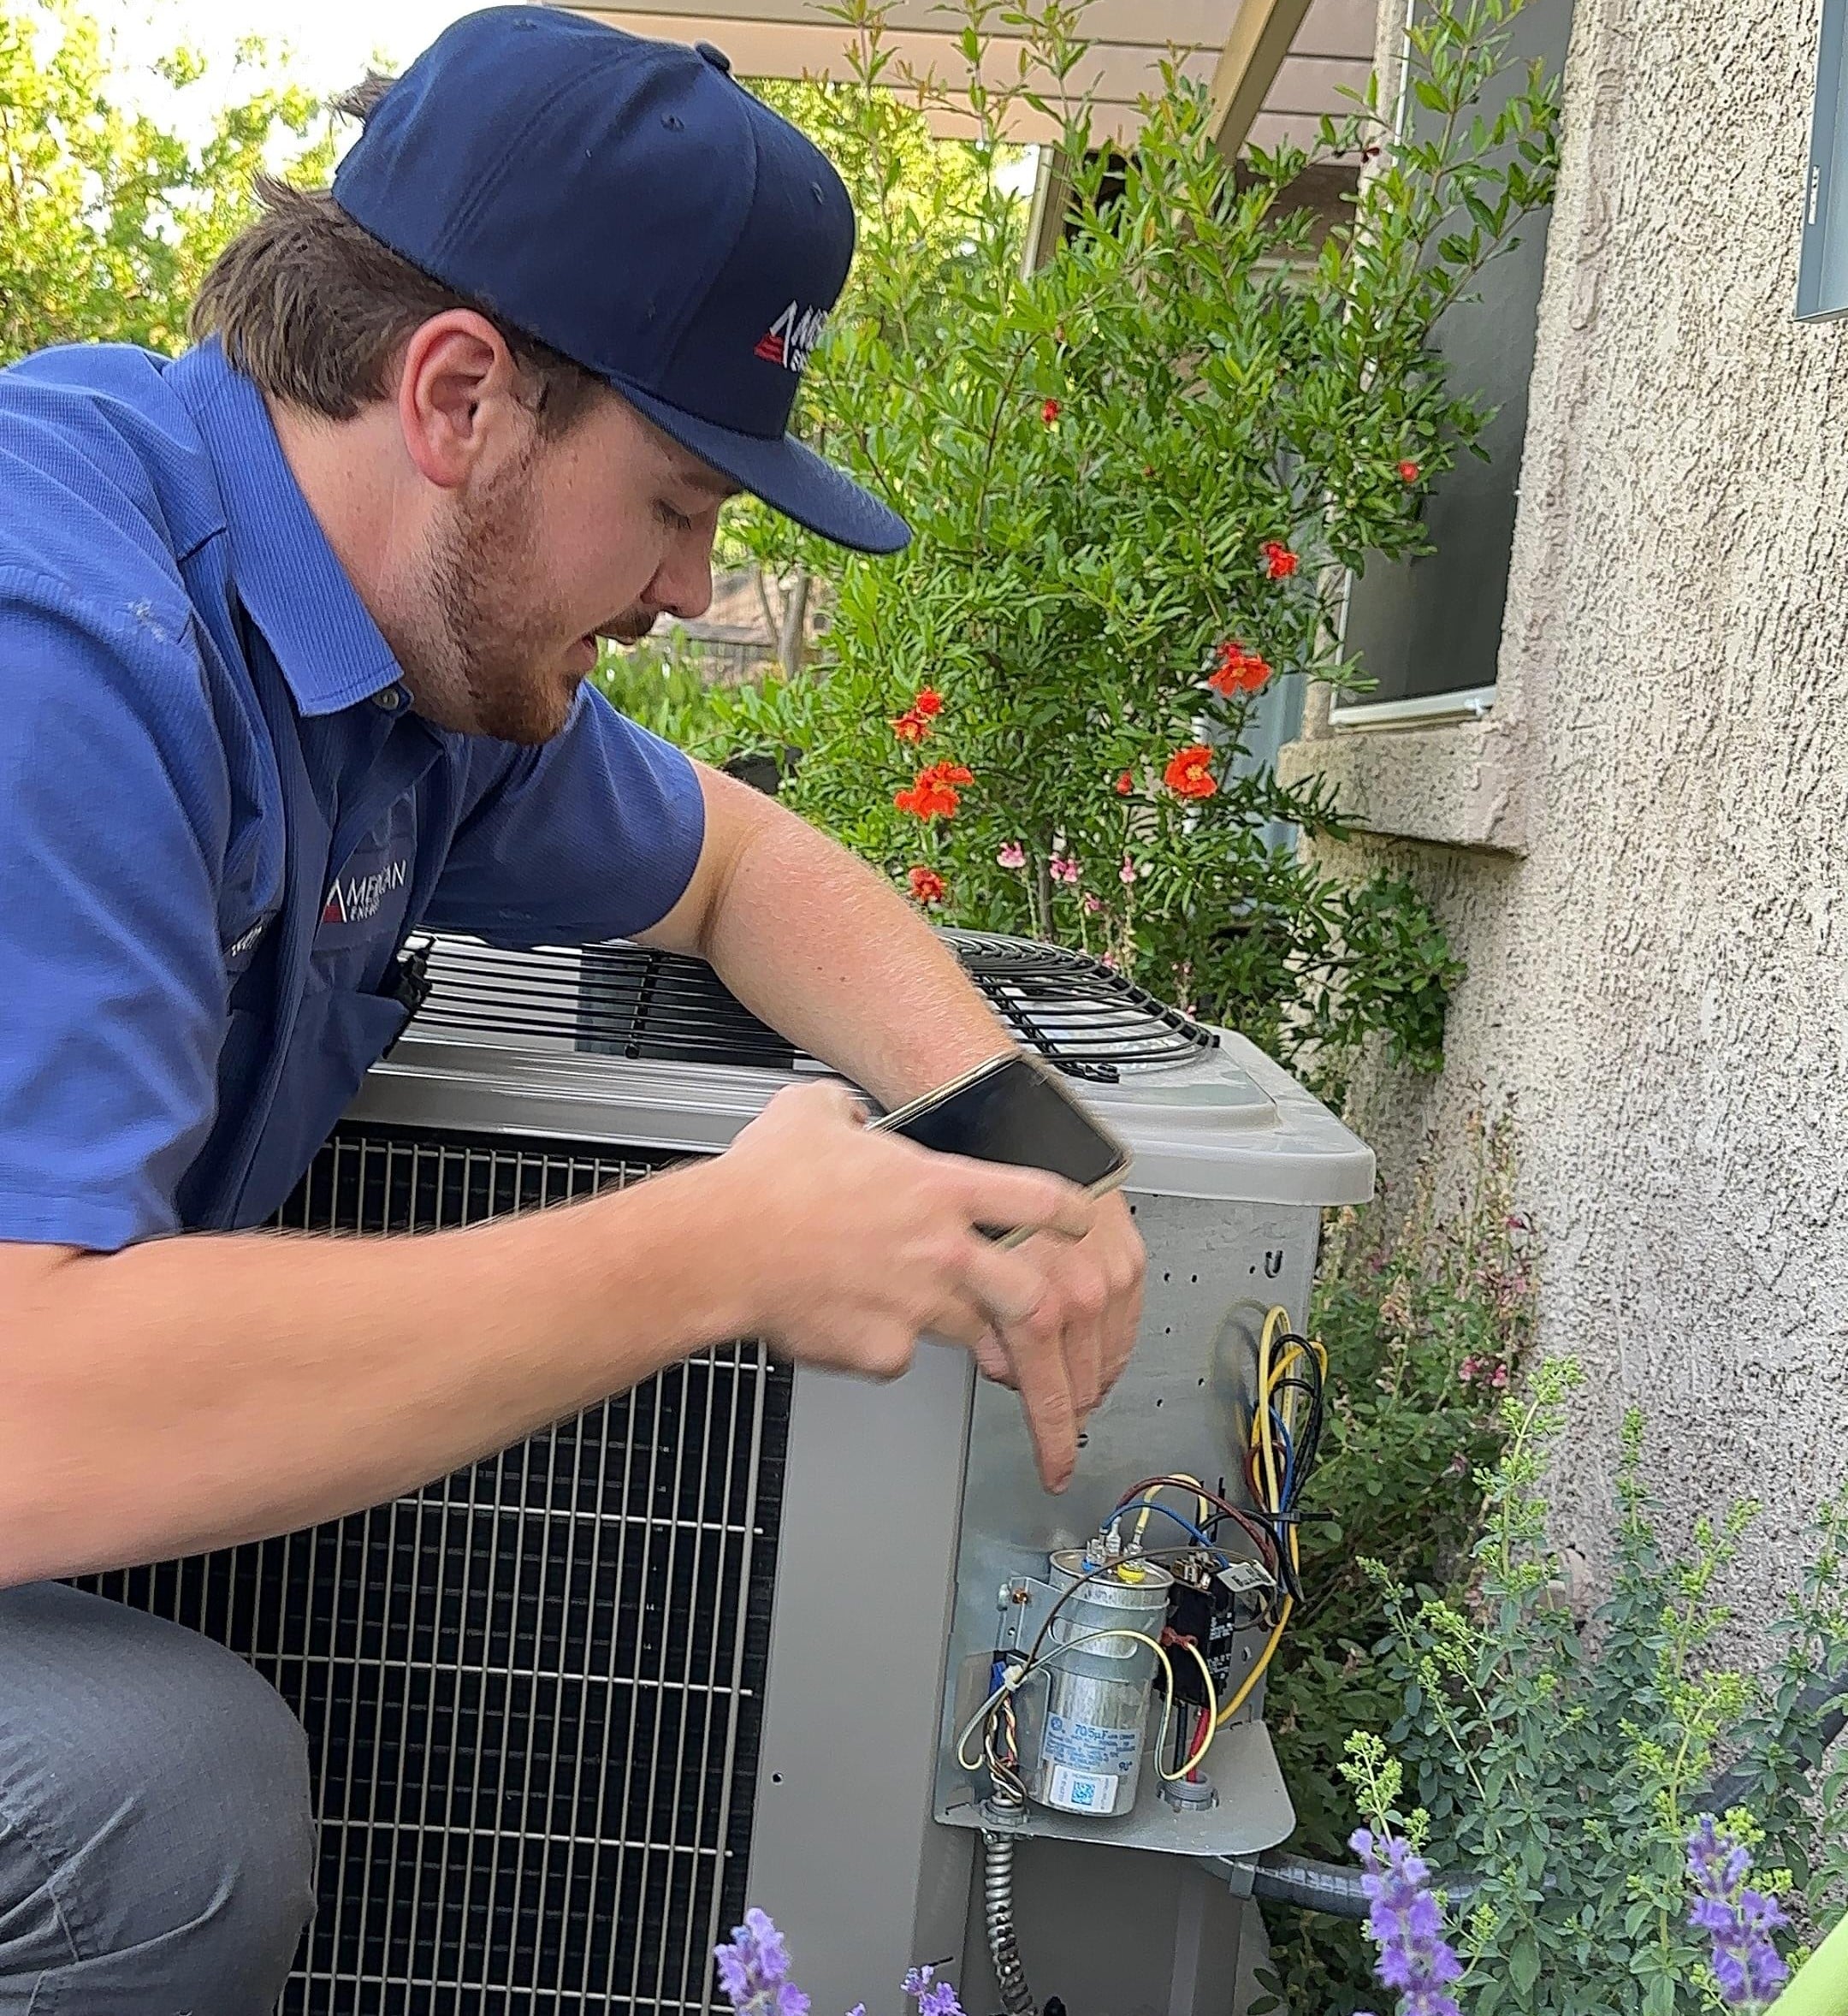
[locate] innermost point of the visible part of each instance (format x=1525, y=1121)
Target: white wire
x=1017, y=1677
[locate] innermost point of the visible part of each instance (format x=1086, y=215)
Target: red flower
x=1189, y=773
x=929, y=703
x=935, y=794
x=1408, y=472
x=1239, y=671
x=1125, y=785
x=1280, y=563
x=927, y=887
x=911, y=726
x=1050, y=412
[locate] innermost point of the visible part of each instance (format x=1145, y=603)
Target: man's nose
x=684, y=586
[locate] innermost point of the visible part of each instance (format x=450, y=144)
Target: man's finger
x=1023, y=1199
x=964, y=1320
x=1045, y=1394
x=992, y=1360
x=1011, y=1286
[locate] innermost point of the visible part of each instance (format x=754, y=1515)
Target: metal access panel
x=534, y=1691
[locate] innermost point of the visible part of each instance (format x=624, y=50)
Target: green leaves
x=108, y=222
x=1565, y=1767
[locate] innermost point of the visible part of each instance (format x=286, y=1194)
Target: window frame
x=1823, y=272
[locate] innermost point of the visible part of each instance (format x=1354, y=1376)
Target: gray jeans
x=156, y=1854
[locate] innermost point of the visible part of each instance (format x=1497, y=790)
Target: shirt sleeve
x=594, y=835
x=112, y=980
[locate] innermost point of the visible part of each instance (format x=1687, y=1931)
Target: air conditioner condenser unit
x=715, y=1642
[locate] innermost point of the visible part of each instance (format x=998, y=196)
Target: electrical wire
x=1286, y=1432
x=1124, y=1567
x=1148, y=1505
x=1212, y=1509
x=1017, y=1676
x=1179, y=1481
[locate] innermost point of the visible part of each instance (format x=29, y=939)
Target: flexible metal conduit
x=997, y=1915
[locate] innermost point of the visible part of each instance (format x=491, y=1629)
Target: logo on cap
x=791, y=339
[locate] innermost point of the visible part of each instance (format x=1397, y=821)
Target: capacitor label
x=1088, y=1746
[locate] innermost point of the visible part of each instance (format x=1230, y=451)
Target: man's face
x=593, y=533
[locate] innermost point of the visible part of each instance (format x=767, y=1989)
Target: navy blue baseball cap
x=629, y=203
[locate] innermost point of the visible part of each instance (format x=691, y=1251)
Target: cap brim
x=787, y=476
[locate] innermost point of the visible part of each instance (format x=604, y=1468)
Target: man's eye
x=674, y=520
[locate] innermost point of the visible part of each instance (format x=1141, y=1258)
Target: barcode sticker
x=1082, y=1792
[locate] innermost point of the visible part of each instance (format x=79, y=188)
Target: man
x=309, y=611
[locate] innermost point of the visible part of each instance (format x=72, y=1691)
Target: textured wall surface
x=1661, y=979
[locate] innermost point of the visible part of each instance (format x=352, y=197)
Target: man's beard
x=482, y=652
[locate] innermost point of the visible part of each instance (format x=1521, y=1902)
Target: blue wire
x=1155, y=1505
x=1282, y=1435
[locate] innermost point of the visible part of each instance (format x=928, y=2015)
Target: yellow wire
x=1209, y=1722
x=1017, y=1678
x=1202, y=1503
x=1276, y=1322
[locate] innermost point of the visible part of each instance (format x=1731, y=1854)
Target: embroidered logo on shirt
x=358, y=897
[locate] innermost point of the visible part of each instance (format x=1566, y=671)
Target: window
x=1428, y=632
x=1822, y=279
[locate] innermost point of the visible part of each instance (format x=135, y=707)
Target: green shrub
x=1561, y=1766
x=1426, y=1314
x=1139, y=477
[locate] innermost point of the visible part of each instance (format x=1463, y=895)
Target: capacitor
x=1099, y=1688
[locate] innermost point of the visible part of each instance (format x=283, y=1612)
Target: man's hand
x=1082, y=1338
x=847, y=1245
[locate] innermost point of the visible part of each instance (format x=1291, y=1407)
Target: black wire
x=1097, y=1574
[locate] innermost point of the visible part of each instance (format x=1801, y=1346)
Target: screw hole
x=1084, y=1442
x=776, y=1777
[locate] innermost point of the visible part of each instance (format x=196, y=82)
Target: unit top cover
x=617, y=1042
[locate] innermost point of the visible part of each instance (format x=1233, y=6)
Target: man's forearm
x=827, y=953
x=197, y=1391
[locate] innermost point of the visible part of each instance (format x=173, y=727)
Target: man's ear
x=459, y=399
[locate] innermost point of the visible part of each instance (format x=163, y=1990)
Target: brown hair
x=316, y=310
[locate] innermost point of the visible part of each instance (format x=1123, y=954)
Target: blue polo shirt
x=219, y=816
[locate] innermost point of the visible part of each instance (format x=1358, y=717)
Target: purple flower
x=754, y=1977
x=933, y=1997
x=754, y=1971
x=1406, y=1925
x=1738, y=1920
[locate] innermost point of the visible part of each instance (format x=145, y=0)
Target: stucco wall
x=1659, y=953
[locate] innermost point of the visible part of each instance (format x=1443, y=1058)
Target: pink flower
x=1012, y=855
x=1498, y=1379
x=1467, y=1370
x=1126, y=873
x=1063, y=868
x=1093, y=905
x=1107, y=960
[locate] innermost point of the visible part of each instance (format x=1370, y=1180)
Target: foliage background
x=1426, y=1308
x=1153, y=458
x=108, y=218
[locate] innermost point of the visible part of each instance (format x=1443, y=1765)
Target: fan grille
x=624, y=1000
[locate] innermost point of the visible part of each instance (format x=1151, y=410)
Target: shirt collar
x=285, y=574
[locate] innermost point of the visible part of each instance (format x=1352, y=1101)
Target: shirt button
x=390, y=700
